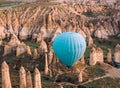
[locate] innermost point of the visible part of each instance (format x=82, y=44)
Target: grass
x=72, y=78
x=47, y=82
x=31, y=44
x=8, y=3
x=104, y=83
x=95, y=71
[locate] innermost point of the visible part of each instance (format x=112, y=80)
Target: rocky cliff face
x=52, y=20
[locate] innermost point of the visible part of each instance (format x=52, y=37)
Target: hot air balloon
x=69, y=47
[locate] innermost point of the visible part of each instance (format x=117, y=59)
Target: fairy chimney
x=117, y=53
x=37, y=79
x=29, y=50
x=50, y=57
x=29, y=80
x=7, y=50
x=6, y=83
x=109, y=56
x=43, y=47
x=35, y=54
x=46, y=65
x=14, y=41
x=100, y=57
x=39, y=38
x=21, y=49
x=22, y=77
x=90, y=41
x=80, y=79
x=93, y=57
x=82, y=60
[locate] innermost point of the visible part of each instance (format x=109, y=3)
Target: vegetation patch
x=95, y=71
x=104, y=83
x=72, y=78
x=8, y=3
x=31, y=44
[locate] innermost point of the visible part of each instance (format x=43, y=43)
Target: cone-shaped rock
x=6, y=83
x=29, y=80
x=37, y=79
x=22, y=77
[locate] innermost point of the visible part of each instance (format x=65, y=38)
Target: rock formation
x=93, y=57
x=46, y=65
x=29, y=80
x=21, y=49
x=43, y=47
x=6, y=83
x=109, y=56
x=82, y=60
x=37, y=79
x=96, y=55
x=99, y=54
x=35, y=54
x=28, y=50
x=80, y=77
x=22, y=73
x=7, y=50
x=117, y=53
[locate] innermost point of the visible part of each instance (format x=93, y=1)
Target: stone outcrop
x=29, y=80
x=7, y=50
x=109, y=56
x=35, y=54
x=93, y=57
x=117, y=53
x=46, y=65
x=21, y=49
x=96, y=55
x=37, y=79
x=22, y=73
x=6, y=83
x=43, y=47
x=28, y=50
x=80, y=76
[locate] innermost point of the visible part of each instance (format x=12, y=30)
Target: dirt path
x=114, y=72
x=97, y=78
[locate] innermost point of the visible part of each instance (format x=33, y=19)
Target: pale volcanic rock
x=35, y=54
x=117, y=53
x=96, y=55
x=2, y=32
x=93, y=57
x=29, y=80
x=46, y=69
x=14, y=41
x=42, y=47
x=6, y=83
x=28, y=50
x=100, y=56
x=101, y=33
x=109, y=56
x=7, y=50
x=23, y=35
x=37, y=79
x=50, y=57
x=39, y=38
x=82, y=60
x=22, y=73
x=80, y=76
x=90, y=41
x=21, y=49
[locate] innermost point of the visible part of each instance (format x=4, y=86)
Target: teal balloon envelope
x=69, y=47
